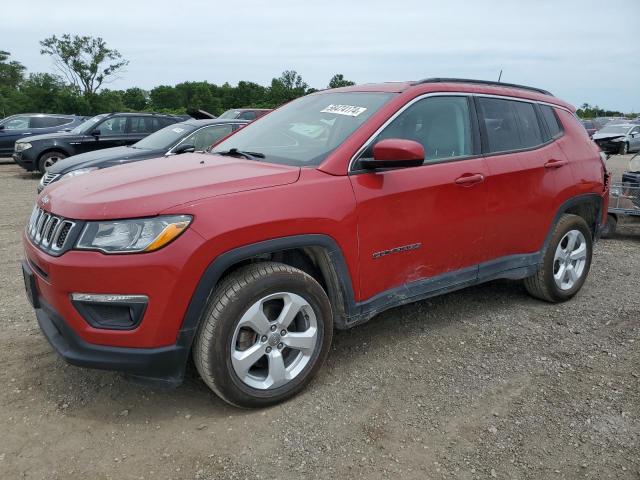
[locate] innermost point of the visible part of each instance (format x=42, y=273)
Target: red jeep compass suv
x=329, y=210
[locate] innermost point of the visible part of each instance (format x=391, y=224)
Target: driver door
x=113, y=133
x=424, y=222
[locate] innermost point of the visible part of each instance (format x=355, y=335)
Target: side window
x=528, y=126
x=441, y=124
x=141, y=125
x=550, y=118
x=248, y=115
x=205, y=137
x=16, y=123
x=48, y=122
x=500, y=124
x=113, y=126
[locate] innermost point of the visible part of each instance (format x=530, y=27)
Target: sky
x=581, y=51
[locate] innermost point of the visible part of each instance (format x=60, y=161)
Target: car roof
x=213, y=121
x=460, y=85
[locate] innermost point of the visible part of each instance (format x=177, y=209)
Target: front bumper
x=162, y=366
x=24, y=160
x=609, y=147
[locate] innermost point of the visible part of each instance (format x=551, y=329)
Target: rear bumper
x=159, y=366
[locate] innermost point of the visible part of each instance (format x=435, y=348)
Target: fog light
x=110, y=311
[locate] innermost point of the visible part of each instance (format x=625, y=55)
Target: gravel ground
x=483, y=383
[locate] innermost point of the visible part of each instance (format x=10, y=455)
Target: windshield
x=164, y=138
x=305, y=131
x=89, y=124
x=621, y=129
x=230, y=114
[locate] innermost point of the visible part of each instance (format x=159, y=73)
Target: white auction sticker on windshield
x=178, y=130
x=348, y=110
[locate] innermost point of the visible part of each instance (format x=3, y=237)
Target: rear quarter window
x=551, y=120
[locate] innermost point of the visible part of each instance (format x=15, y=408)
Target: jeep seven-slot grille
x=47, y=231
x=48, y=178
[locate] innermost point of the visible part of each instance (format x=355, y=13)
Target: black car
x=15, y=127
x=102, y=131
x=187, y=136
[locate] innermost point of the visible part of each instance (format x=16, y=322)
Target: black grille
x=50, y=232
x=63, y=235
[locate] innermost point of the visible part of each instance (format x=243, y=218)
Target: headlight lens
x=22, y=146
x=80, y=171
x=131, y=236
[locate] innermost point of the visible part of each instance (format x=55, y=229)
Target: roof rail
x=483, y=82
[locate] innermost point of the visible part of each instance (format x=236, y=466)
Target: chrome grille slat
x=47, y=231
x=48, y=178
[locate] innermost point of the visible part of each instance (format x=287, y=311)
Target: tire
x=544, y=284
x=609, y=228
x=232, y=324
x=624, y=149
x=48, y=159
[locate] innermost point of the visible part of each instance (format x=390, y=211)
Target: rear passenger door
x=526, y=170
x=139, y=127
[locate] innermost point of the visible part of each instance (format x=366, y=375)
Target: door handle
x=555, y=163
x=468, y=180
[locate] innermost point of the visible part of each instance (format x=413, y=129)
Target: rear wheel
x=566, y=261
x=265, y=334
x=48, y=160
x=609, y=228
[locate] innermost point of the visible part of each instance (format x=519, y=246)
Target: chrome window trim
x=366, y=144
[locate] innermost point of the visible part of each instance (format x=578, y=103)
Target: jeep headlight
x=132, y=236
x=22, y=146
x=80, y=171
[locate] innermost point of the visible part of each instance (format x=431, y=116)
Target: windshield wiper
x=234, y=152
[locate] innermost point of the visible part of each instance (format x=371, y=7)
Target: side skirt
x=512, y=267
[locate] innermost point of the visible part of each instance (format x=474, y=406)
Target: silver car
x=619, y=138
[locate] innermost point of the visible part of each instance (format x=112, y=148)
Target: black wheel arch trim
x=587, y=198
x=213, y=273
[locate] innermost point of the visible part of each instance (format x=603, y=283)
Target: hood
x=102, y=158
x=143, y=189
x=608, y=136
x=49, y=136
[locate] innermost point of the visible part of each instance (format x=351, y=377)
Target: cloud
x=562, y=46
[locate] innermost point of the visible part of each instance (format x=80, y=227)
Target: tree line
x=86, y=65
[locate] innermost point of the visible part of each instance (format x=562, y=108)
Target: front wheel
x=566, y=261
x=48, y=160
x=265, y=334
x=624, y=148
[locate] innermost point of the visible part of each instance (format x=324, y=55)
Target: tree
x=135, y=99
x=11, y=72
x=86, y=62
x=338, y=81
x=287, y=87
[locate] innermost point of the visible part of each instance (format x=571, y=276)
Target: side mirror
x=395, y=153
x=96, y=133
x=185, y=148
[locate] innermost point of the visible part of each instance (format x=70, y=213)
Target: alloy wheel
x=570, y=259
x=274, y=340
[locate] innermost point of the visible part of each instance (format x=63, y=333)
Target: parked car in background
x=102, y=131
x=620, y=138
x=15, y=127
x=333, y=208
x=245, y=113
x=591, y=126
x=187, y=136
